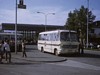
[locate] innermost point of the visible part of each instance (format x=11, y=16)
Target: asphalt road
x=86, y=64
x=73, y=66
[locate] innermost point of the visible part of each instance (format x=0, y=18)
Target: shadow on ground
x=81, y=55
x=19, y=63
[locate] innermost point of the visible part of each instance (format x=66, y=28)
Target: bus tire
x=56, y=52
x=42, y=50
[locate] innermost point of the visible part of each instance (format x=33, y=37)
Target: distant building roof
x=96, y=24
x=31, y=27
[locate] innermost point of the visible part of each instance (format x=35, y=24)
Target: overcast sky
x=61, y=8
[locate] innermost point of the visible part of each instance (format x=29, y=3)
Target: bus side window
x=47, y=37
x=50, y=37
x=57, y=37
x=53, y=38
x=39, y=37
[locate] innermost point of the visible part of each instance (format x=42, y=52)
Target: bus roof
x=5, y=33
x=56, y=31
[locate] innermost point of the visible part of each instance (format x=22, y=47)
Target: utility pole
x=16, y=28
x=87, y=20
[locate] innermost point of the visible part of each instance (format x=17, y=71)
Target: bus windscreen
x=66, y=36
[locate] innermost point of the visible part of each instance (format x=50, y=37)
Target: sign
x=21, y=4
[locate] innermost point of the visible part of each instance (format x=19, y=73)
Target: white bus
x=58, y=41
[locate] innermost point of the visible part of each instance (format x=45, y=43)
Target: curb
x=46, y=61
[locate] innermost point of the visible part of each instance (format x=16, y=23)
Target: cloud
x=6, y=16
x=97, y=14
x=30, y=16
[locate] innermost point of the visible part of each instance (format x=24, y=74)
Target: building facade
x=95, y=33
x=29, y=31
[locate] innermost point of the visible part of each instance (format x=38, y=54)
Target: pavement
x=35, y=56
x=94, y=52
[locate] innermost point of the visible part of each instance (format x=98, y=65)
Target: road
x=88, y=64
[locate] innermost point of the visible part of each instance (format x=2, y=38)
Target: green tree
x=78, y=20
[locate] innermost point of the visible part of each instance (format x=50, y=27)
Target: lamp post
x=45, y=15
x=87, y=20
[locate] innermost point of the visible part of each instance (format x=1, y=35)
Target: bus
x=58, y=42
x=11, y=37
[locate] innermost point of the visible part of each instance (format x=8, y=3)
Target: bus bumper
x=65, y=51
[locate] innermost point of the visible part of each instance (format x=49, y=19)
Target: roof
x=31, y=27
x=5, y=33
x=56, y=31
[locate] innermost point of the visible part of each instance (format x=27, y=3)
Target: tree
x=78, y=20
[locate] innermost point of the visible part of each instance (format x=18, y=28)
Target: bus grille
x=69, y=46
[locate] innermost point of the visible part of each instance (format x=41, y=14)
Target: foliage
x=78, y=20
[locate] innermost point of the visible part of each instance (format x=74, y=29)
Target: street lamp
x=45, y=15
x=87, y=20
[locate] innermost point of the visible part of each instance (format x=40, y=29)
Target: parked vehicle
x=98, y=46
x=58, y=41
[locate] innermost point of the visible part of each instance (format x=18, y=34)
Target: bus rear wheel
x=42, y=50
x=56, y=52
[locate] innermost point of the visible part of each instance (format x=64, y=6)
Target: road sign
x=21, y=4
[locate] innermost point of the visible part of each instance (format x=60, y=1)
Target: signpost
x=21, y=6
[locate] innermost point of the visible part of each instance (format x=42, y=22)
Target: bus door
x=48, y=43
x=54, y=42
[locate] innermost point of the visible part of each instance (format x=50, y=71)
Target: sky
x=61, y=8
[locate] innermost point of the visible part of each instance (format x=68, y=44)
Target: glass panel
x=73, y=37
x=66, y=36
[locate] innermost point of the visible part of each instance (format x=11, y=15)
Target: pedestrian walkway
x=37, y=56
x=94, y=52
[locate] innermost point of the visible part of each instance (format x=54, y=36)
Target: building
x=95, y=32
x=96, y=28
x=28, y=31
